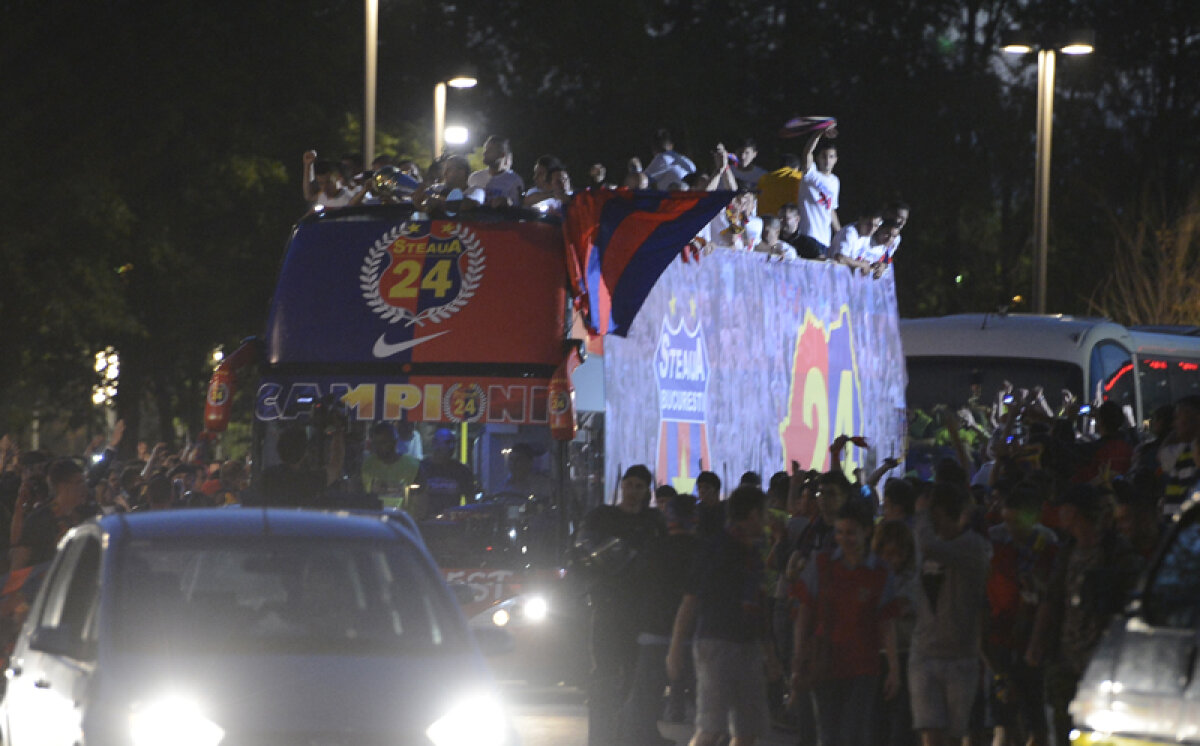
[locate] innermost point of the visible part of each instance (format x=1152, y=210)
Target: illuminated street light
x=1024, y=42
x=108, y=369
x=440, y=135
x=456, y=135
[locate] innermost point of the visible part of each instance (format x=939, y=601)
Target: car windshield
x=284, y=595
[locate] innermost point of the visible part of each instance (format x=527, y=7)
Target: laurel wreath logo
x=470, y=392
x=370, y=274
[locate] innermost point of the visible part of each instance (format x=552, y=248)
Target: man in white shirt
x=819, y=190
x=501, y=185
x=895, y=212
x=852, y=240
x=771, y=244
x=871, y=253
x=322, y=184
x=668, y=168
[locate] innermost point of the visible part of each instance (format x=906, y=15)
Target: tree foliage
x=1154, y=279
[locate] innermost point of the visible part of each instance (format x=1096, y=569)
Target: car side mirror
x=58, y=641
x=494, y=641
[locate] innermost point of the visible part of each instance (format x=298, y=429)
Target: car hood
x=254, y=696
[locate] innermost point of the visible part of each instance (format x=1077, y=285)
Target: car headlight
x=500, y=617
x=173, y=721
x=474, y=721
x=536, y=609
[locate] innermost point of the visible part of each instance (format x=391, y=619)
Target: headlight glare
x=474, y=721
x=536, y=609
x=172, y=721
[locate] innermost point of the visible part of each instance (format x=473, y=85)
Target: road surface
x=557, y=716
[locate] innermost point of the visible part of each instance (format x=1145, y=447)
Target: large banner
x=401, y=294
x=742, y=363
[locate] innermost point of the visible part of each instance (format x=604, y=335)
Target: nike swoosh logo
x=383, y=349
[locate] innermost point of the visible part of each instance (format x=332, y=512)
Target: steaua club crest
x=422, y=271
x=464, y=402
x=560, y=402
x=218, y=393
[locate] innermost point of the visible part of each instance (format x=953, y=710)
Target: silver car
x=1142, y=685
x=238, y=627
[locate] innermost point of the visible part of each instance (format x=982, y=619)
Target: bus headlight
x=536, y=609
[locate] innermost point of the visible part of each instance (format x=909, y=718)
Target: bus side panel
x=737, y=363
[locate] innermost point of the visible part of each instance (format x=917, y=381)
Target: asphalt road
x=557, y=716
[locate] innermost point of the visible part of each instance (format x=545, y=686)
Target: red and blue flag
x=619, y=241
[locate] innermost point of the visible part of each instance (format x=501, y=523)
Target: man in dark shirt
x=613, y=569
x=67, y=507
x=659, y=587
x=711, y=513
x=444, y=482
x=291, y=482
x=725, y=603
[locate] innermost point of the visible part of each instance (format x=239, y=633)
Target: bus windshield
x=949, y=380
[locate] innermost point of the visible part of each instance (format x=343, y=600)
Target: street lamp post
x=371, y=44
x=439, y=107
x=1018, y=42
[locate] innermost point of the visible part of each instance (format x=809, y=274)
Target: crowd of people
x=962, y=607
x=788, y=213
x=965, y=603
x=42, y=494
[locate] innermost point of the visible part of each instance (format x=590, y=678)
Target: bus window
x=1185, y=379
x=1156, y=383
x=1111, y=373
x=948, y=380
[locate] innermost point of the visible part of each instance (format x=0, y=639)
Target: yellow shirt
x=778, y=188
x=387, y=481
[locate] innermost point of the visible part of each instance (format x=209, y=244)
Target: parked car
x=244, y=626
x=1142, y=685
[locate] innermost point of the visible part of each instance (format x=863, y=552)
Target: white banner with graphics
x=738, y=363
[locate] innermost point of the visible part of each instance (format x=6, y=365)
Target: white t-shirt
x=873, y=252
x=549, y=205
x=475, y=194
x=720, y=234
x=818, y=199
x=341, y=199
x=668, y=168
x=784, y=250
x=507, y=184
x=848, y=243
x=747, y=178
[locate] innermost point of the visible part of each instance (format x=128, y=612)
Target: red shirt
x=850, y=605
x=1113, y=453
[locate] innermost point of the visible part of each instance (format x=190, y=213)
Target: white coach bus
x=1096, y=359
